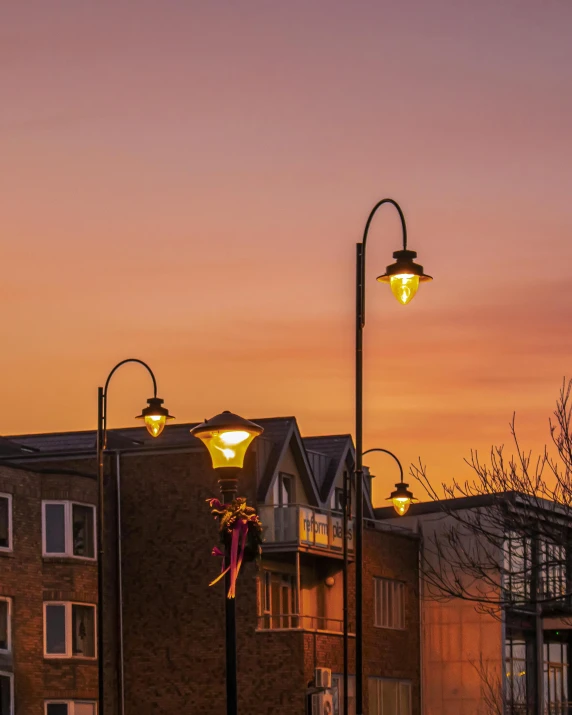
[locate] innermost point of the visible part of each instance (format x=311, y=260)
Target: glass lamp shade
x=155, y=416
x=227, y=437
x=401, y=498
x=404, y=286
x=404, y=276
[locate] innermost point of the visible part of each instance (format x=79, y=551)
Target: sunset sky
x=184, y=182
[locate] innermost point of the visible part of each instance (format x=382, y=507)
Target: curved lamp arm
x=386, y=451
x=105, y=389
x=361, y=250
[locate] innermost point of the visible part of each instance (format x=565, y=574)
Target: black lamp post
x=404, y=276
x=227, y=437
x=155, y=416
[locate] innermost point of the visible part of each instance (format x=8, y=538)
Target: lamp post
x=155, y=417
x=403, y=276
x=227, y=437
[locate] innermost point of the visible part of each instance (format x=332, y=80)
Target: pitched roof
x=336, y=449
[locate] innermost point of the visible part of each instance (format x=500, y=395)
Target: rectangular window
x=389, y=603
x=517, y=563
x=338, y=694
x=6, y=694
x=389, y=697
x=71, y=707
x=5, y=624
x=69, y=630
x=5, y=522
x=278, y=600
x=69, y=529
x=337, y=499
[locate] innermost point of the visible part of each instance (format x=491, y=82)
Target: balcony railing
x=290, y=622
x=302, y=525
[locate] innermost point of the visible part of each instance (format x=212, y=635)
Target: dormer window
x=284, y=490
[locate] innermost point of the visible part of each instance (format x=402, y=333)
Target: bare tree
x=507, y=548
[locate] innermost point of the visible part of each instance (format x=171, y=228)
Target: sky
x=184, y=182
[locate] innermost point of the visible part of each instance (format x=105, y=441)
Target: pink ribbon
x=237, y=546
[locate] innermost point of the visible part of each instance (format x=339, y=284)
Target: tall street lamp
x=403, y=276
x=155, y=417
x=227, y=437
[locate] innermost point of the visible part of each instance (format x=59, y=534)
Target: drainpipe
x=419, y=530
x=121, y=666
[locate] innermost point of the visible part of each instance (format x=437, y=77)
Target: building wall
x=392, y=653
x=462, y=645
x=173, y=622
x=29, y=580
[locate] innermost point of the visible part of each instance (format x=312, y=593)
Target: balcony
x=298, y=527
x=294, y=622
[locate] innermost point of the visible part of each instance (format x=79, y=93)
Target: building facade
x=502, y=646
x=163, y=624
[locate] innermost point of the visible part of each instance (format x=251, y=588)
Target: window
x=389, y=697
x=5, y=522
x=70, y=707
x=552, y=581
x=337, y=499
x=278, y=600
x=69, y=630
x=515, y=669
x=556, y=677
x=6, y=694
x=5, y=624
x=284, y=490
x=69, y=529
x=338, y=694
x=517, y=562
x=389, y=603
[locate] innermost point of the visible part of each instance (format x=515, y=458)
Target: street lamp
x=401, y=497
x=227, y=437
x=404, y=276
x=155, y=417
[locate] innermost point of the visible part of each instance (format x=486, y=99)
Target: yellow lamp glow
x=404, y=286
x=404, y=276
x=155, y=416
x=401, y=505
x=155, y=424
x=227, y=437
x=401, y=498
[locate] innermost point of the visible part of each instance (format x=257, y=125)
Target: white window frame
x=71, y=705
x=399, y=683
x=10, y=677
x=382, y=618
x=6, y=651
x=69, y=632
x=10, y=547
x=338, y=684
x=68, y=530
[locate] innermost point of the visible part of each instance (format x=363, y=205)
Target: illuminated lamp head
x=155, y=416
x=401, y=498
x=404, y=276
x=227, y=437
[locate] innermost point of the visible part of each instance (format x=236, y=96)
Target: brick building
x=164, y=626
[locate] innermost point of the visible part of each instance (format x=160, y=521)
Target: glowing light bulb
x=404, y=286
x=155, y=424
x=233, y=438
x=401, y=504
